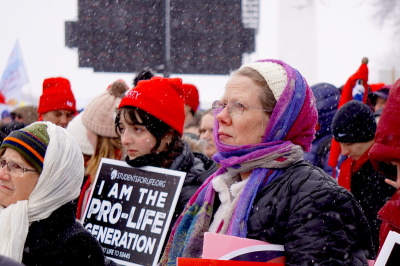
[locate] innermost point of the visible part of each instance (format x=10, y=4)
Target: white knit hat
x=273, y=73
x=79, y=132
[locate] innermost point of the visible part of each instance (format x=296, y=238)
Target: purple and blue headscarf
x=290, y=130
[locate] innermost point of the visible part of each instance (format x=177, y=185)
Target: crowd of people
x=312, y=168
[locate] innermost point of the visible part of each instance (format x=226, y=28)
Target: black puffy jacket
x=317, y=221
x=198, y=168
x=60, y=240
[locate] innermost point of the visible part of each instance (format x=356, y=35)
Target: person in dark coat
x=377, y=99
x=385, y=157
x=150, y=123
x=354, y=129
x=40, y=176
x=327, y=100
x=264, y=190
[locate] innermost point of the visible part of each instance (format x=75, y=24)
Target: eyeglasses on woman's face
x=235, y=108
x=15, y=169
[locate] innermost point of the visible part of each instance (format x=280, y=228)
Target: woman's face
x=249, y=127
x=13, y=186
x=137, y=140
x=59, y=117
x=206, y=134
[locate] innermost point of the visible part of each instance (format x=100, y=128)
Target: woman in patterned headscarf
x=264, y=189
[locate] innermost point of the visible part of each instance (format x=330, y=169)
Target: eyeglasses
x=15, y=168
x=234, y=108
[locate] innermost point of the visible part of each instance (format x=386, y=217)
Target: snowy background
x=324, y=39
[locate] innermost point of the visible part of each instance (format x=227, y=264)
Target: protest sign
x=227, y=247
x=390, y=252
x=130, y=209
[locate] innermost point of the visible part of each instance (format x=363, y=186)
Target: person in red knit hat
x=192, y=117
x=150, y=123
x=57, y=103
x=385, y=157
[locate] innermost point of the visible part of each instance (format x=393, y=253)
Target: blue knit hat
x=31, y=142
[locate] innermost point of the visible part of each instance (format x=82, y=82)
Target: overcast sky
x=39, y=27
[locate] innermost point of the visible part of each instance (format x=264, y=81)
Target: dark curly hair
x=156, y=127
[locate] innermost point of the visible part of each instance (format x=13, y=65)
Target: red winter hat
x=57, y=95
x=386, y=148
x=2, y=98
x=361, y=73
x=160, y=97
x=191, y=95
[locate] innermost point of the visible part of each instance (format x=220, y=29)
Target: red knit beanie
x=160, y=97
x=57, y=95
x=386, y=148
x=191, y=96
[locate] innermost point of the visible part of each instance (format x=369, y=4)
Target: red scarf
x=349, y=167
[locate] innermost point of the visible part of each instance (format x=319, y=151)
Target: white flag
x=14, y=77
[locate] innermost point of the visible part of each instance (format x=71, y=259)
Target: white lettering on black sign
x=130, y=209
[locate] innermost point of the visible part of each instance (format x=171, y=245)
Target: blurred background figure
x=13, y=125
x=385, y=157
x=327, y=100
x=355, y=88
x=206, y=133
x=5, y=117
x=377, y=99
x=192, y=101
x=57, y=103
x=21, y=117
x=25, y=114
x=144, y=74
x=354, y=129
x=191, y=129
x=192, y=118
x=5, y=120
x=79, y=132
x=99, y=121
